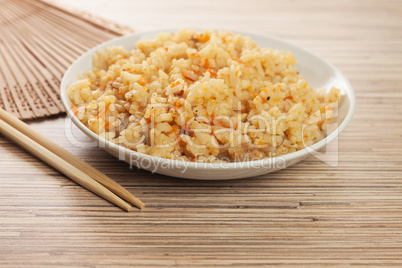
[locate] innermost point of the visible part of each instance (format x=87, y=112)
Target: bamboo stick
x=61, y=165
x=70, y=158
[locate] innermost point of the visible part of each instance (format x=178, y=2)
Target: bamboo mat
x=38, y=41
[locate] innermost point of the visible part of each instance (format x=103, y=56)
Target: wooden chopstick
x=63, y=155
x=61, y=165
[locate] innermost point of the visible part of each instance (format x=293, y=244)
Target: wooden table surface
x=309, y=214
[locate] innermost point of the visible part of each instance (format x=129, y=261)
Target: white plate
x=318, y=72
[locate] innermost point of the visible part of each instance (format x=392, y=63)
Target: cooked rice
x=205, y=97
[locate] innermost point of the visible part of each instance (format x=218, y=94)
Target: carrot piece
x=142, y=81
x=212, y=72
x=204, y=38
x=262, y=98
x=241, y=62
x=172, y=85
x=74, y=108
x=177, y=104
x=174, y=129
x=206, y=63
x=194, y=71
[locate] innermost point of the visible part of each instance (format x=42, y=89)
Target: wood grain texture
x=310, y=214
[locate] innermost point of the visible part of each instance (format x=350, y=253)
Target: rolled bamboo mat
x=38, y=41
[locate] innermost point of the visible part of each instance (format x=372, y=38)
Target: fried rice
x=206, y=96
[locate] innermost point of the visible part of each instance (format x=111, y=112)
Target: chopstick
x=64, y=161
x=64, y=167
